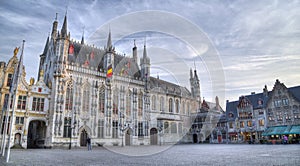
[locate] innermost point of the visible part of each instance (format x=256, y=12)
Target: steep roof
x=295, y=92
x=168, y=87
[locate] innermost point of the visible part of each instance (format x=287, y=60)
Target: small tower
x=134, y=52
x=195, y=85
x=54, y=28
x=145, y=64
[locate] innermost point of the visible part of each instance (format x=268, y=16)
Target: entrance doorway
x=153, y=136
x=195, y=138
x=36, y=134
x=83, y=137
x=17, y=139
x=127, y=137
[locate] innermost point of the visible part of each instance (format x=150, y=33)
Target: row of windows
x=37, y=103
x=261, y=122
x=171, y=105
x=279, y=103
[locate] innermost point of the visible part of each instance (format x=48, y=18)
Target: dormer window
x=39, y=90
x=9, y=79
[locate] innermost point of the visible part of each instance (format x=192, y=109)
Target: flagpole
x=17, y=78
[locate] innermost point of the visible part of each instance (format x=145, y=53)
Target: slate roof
x=169, y=88
x=295, y=92
x=94, y=57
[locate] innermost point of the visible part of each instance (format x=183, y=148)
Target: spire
x=196, y=76
x=145, y=51
x=191, y=73
x=46, y=46
x=82, y=39
x=64, y=27
x=54, y=27
x=109, y=45
x=134, y=52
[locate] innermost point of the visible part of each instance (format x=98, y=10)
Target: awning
x=281, y=130
x=275, y=130
x=295, y=130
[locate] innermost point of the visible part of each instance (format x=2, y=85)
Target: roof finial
x=56, y=16
x=194, y=64
x=134, y=43
x=82, y=39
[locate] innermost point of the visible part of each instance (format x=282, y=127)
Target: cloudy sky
x=236, y=46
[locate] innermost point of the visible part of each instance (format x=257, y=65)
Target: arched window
x=140, y=104
x=170, y=105
x=177, y=106
x=188, y=108
x=101, y=99
x=166, y=127
x=69, y=96
x=162, y=104
x=85, y=100
x=183, y=107
x=173, y=127
x=153, y=102
x=116, y=101
x=128, y=104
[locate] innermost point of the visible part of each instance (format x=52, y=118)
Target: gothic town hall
x=84, y=91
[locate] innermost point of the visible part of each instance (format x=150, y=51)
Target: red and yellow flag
x=109, y=71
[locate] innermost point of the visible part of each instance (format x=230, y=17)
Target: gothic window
x=9, y=80
x=146, y=128
x=115, y=129
x=67, y=127
x=230, y=125
x=285, y=102
x=242, y=124
x=21, y=103
x=69, y=97
x=177, y=106
x=166, y=127
x=261, y=122
x=170, y=105
x=116, y=102
x=153, y=102
x=3, y=124
x=161, y=104
x=173, y=127
x=180, y=128
x=140, y=105
x=140, y=129
x=188, y=108
x=38, y=104
x=85, y=100
x=100, y=128
x=128, y=104
x=102, y=99
x=19, y=120
x=183, y=107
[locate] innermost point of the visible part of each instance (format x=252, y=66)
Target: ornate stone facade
x=98, y=93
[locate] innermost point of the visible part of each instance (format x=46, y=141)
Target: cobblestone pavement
x=193, y=154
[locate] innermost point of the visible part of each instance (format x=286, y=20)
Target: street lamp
x=160, y=129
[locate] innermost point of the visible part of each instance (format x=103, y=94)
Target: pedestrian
x=285, y=139
x=88, y=142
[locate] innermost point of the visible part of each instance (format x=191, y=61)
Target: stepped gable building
x=84, y=91
x=266, y=115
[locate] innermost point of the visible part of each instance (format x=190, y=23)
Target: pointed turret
x=82, y=39
x=109, y=43
x=46, y=46
x=134, y=52
x=64, y=28
x=145, y=63
x=191, y=74
x=145, y=52
x=54, y=28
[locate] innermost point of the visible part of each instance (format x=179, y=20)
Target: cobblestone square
x=192, y=154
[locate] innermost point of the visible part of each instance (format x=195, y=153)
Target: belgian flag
x=109, y=71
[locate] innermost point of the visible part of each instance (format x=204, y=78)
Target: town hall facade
x=84, y=91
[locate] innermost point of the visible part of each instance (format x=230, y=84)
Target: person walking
x=88, y=142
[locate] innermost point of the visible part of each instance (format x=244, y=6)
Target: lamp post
x=160, y=129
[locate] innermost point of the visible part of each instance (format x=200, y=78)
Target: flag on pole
x=109, y=71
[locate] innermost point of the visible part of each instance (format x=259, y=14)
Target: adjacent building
x=264, y=116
